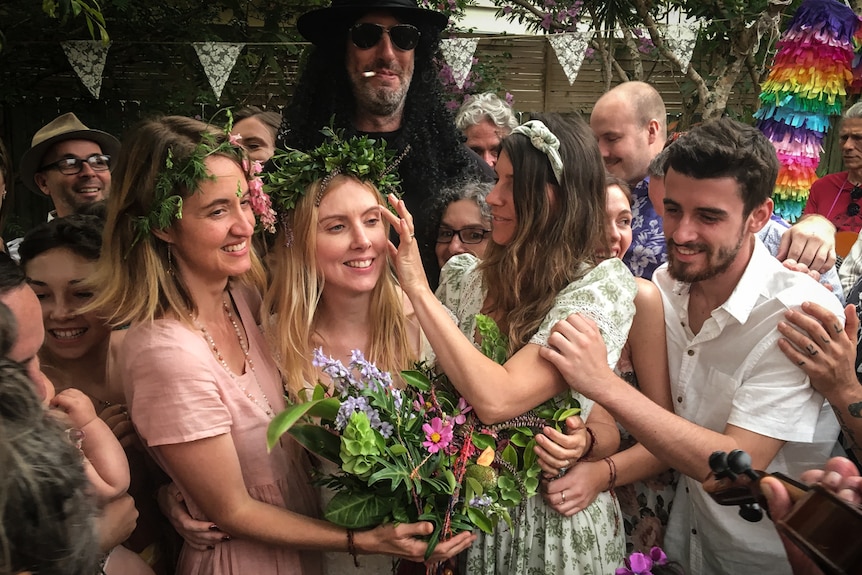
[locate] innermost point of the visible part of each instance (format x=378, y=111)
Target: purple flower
x=641, y=564
x=437, y=435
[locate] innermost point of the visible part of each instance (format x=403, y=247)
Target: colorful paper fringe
x=808, y=82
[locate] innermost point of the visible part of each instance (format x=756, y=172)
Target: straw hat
x=66, y=127
x=321, y=26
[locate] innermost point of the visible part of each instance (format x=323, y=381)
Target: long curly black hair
x=437, y=158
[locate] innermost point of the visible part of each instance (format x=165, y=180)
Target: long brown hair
x=556, y=235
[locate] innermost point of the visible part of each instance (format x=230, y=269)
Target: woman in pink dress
x=201, y=384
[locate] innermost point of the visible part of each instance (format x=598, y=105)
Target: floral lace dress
x=544, y=542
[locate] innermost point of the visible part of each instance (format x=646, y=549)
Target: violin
x=827, y=528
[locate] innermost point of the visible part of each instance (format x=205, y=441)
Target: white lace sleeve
x=606, y=296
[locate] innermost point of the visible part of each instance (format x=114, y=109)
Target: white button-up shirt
x=732, y=372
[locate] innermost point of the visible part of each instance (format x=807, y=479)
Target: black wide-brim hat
x=321, y=25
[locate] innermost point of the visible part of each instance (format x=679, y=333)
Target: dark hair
x=46, y=515
x=324, y=94
x=554, y=238
x=270, y=119
x=6, y=172
x=726, y=148
x=8, y=330
x=80, y=234
x=11, y=275
x=612, y=180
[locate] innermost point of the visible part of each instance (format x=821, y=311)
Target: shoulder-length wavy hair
x=133, y=277
x=298, y=285
x=559, y=226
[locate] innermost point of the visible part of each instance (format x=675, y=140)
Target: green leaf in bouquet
x=474, y=489
x=450, y=479
x=562, y=414
x=510, y=456
x=416, y=379
x=318, y=440
x=390, y=472
x=397, y=449
x=480, y=520
x=530, y=457
x=326, y=408
x=433, y=540
x=400, y=515
x=319, y=392
x=531, y=485
x=520, y=439
x=495, y=345
x=358, y=510
x=482, y=441
x=504, y=513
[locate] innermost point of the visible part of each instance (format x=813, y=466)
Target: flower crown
x=187, y=174
x=360, y=156
x=641, y=563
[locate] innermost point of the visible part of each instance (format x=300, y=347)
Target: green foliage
x=365, y=158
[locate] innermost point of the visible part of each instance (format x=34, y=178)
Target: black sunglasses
x=72, y=166
x=853, y=208
x=366, y=35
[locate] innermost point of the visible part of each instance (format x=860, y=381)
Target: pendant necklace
x=248, y=361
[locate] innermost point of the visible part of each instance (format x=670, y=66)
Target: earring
x=170, y=261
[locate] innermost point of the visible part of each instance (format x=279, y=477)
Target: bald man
x=630, y=124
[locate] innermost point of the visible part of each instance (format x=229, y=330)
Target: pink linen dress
x=177, y=391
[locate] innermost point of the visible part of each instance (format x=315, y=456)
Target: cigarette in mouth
x=369, y=73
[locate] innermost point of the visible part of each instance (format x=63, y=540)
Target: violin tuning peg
x=718, y=462
x=740, y=463
x=751, y=512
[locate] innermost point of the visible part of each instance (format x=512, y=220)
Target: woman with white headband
x=548, y=210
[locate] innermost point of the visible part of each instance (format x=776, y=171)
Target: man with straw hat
x=70, y=163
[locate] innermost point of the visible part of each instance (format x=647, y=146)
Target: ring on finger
x=811, y=350
x=563, y=496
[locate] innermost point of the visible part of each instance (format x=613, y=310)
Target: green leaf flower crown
x=187, y=174
x=365, y=158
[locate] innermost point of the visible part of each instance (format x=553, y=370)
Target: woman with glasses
x=465, y=221
x=548, y=210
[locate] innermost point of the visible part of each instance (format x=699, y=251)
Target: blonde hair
x=133, y=279
x=298, y=286
x=556, y=238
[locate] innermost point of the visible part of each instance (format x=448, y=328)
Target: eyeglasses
x=71, y=166
x=466, y=235
x=366, y=35
x=853, y=208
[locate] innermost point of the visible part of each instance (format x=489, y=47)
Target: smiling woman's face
x=56, y=276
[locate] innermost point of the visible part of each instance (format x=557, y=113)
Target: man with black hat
x=372, y=71
x=70, y=163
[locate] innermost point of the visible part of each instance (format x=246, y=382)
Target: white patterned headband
x=545, y=141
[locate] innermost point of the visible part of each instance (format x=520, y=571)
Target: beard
x=717, y=262
x=382, y=100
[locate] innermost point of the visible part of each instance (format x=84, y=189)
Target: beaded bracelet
x=612, y=468
x=351, y=547
x=593, y=443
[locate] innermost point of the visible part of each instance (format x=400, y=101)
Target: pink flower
x=462, y=408
x=437, y=435
x=235, y=140
x=261, y=204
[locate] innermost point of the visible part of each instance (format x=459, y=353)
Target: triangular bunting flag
x=87, y=58
x=458, y=53
x=218, y=59
x=571, y=48
x=680, y=40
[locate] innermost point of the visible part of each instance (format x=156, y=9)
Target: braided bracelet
x=351, y=547
x=612, y=468
x=593, y=443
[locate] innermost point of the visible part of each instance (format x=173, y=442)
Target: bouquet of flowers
x=415, y=452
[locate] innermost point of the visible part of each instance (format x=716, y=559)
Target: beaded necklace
x=248, y=361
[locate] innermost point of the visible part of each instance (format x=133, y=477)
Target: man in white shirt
x=724, y=296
